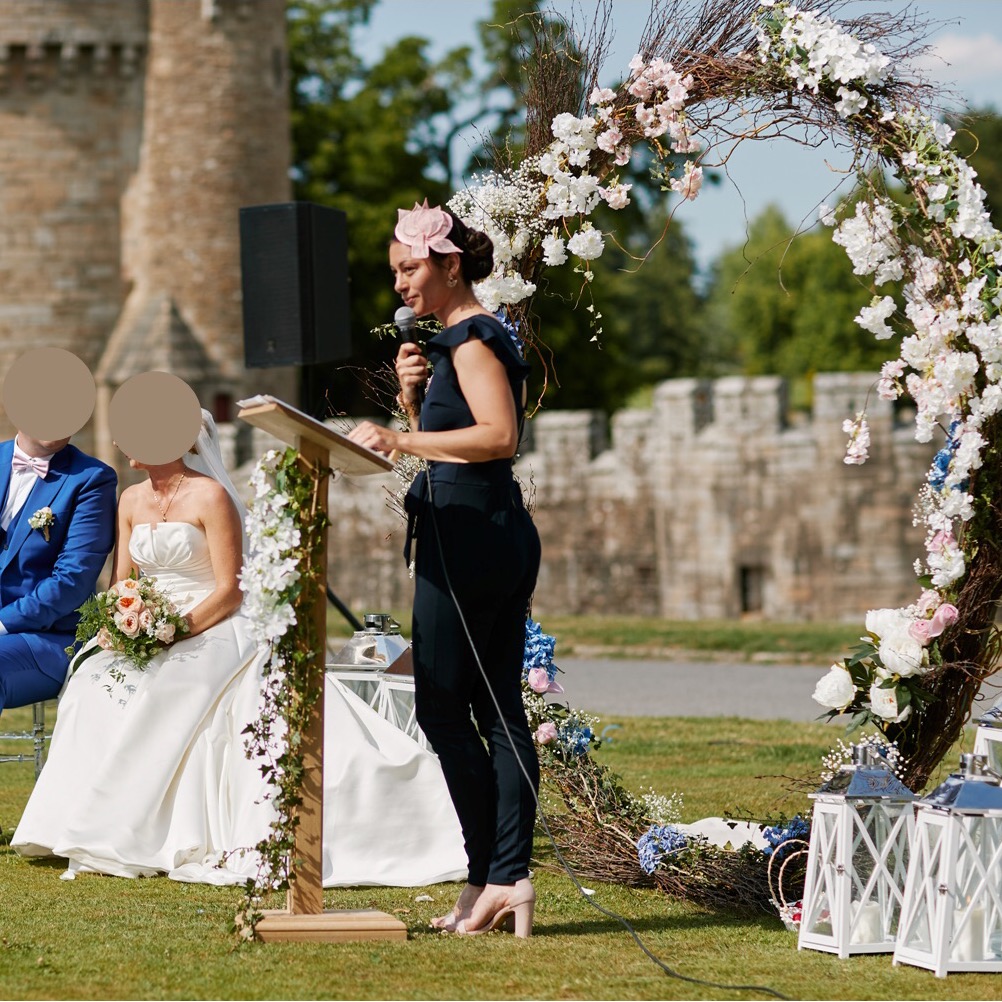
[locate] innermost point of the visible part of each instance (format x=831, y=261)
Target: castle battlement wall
x=707, y=505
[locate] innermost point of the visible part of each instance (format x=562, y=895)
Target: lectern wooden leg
x=304, y=918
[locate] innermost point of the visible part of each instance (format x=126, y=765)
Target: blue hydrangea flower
x=777, y=835
x=941, y=462
x=539, y=649
x=512, y=328
x=575, y=738
x=656, y=843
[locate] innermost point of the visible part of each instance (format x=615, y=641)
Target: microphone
x=405, y=319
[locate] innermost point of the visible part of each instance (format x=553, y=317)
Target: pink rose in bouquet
x=133, y=618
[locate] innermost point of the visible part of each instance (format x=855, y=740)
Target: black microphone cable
x=624, y=922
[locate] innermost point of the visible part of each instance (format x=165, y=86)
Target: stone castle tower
x=131, y=132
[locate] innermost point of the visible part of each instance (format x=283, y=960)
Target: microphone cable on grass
x=568, y=869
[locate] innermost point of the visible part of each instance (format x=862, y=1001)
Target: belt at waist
x=495, y=472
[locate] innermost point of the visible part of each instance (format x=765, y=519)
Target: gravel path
x=634, y=687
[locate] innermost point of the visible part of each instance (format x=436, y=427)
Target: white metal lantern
x=951, y=919
x=858, y=857
x=376, y=665
x=988, y=739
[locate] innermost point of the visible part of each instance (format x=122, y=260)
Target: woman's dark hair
x=477, y=260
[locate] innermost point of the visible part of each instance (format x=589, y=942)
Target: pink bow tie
x=20, y=463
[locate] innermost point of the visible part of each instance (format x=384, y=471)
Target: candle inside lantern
x=969, y=944
x=866, y=924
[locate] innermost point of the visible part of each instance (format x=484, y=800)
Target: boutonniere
x=43, y=519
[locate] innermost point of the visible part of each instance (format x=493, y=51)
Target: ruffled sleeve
x=492, y=333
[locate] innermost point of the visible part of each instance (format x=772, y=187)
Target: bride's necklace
x=156, y=497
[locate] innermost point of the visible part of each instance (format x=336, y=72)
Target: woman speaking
x=476, y=559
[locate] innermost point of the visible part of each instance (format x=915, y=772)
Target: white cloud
x=964, y=60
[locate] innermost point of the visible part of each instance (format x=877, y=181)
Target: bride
x=149, y=775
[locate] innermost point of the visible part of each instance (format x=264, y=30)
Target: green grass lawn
x=639, y=636
x=107, y=938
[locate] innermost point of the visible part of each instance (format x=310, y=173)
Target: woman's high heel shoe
x=462, y=909
x=515, y=914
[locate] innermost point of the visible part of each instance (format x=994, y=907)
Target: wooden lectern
x=304, y=918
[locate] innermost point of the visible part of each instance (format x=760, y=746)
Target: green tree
x=784, y=303
x=365, y=140
x=370, y=139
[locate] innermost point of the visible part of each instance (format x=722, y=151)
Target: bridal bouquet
x=133, y=618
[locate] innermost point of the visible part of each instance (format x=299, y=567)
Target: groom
x=57, y=527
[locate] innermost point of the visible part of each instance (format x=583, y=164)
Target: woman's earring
x=451, y=282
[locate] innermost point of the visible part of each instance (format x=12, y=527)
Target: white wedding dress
x=149, y=776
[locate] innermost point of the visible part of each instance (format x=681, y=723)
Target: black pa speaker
x=294, y=271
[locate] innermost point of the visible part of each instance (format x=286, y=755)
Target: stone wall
x=708, y=505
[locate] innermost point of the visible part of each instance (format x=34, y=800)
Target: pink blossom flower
x=609, y=140
x=623, y=156
x=104, y=639
x=920, y=630
x=546, y=732
x=618, y=196
x=689, y=184
x=641, y=87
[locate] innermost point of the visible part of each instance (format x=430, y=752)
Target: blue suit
x=43, y=583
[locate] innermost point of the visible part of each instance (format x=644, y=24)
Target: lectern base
x=343, y=926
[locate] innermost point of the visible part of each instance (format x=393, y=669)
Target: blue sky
x=967, y=59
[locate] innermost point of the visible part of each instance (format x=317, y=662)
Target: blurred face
x=422, y=283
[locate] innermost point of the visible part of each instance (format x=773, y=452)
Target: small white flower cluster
x=272, y=565
x=869, y=238
x=841, y=754
x=546, y=201
x=814, y=50
x=662, y=809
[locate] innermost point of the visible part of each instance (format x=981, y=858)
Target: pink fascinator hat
x=424, y=228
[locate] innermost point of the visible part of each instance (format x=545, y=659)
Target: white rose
x=884, y=703
x=899, y=651
x=835, y=690
x=902, y=654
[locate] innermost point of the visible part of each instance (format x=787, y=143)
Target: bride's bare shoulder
x=130, y=495
x=207, y=487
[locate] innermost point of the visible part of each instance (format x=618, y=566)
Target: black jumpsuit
x=476, y=544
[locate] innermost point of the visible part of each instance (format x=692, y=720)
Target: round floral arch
x=741, y=71
x=702, y=82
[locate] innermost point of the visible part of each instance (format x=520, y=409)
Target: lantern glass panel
x=927, y=848
x=988, y=742
x=879, y=867
x=977, y=902
x=817, y=916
